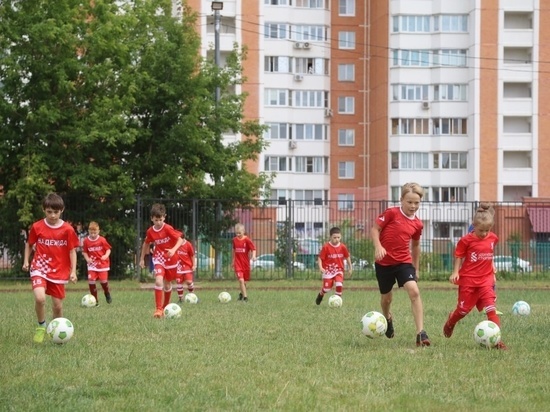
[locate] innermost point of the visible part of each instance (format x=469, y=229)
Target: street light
x=217, y=5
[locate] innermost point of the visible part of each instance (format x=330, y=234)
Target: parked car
x=358, y=264
x=506, y=263
x=203, y=261
x=268, y=262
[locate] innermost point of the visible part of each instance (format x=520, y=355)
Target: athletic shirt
x=51, y=259
x=477, y=266
x=332, y=258
x=186, y=256
x=396, y=234
x=164, y=238
x=241, y=249
x=95, y=249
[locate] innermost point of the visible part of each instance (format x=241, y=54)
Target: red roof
x=540, y=219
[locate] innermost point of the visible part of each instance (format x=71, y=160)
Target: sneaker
x=422, y=339
x=39, y=334
x=319, y=299
x=240, y=296
x=108, y=297
x=447, y=328
x=245, y=299
x=158, y=314
x=390, y=333
x=97, y=304
x=501, y=346
x=498, y=312
x=180, y=300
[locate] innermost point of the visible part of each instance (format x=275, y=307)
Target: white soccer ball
x=521, y=308
x=224, y=297
x=487, y=334
x=60, y=330
x=335, y=301
x=172, y=311
x=88, y=301
x=374, y=324
x=191, y=298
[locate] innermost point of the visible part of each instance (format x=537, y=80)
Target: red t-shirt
x=186, y=256
x=332, y=258
x=477, y=266
x=95, y=249
x=241, y=249
x=397, y=231
x=164, y=238
x=51, y=259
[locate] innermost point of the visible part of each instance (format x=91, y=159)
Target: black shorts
x=388, y=275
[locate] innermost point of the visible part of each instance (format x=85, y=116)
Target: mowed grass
x=278, y=352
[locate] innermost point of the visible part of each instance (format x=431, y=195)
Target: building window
x=346, y=40
x=275, y=31
x=410, y=160
x=346, y=170
x=411, y=58
x=451, y=92
x=450, y=126
x=411, y=24
x=308, y=33
x=310, y=4
x=410, y=92
x=278, y=197
x=310, y=164
x=346, y=105
x=451, y=23
x=457, y=160
x=346, y=7
x=276, y=131
x=276, y=97
x=276, y=2
x=309, y=98
x=410, y=126
x=308, y=131
x=277, y=64
x=346, y=201
x=346, y=72
x=277, y=164
x=346, y=137
x=310, y=197
x=448, y=194
x=450, y=57
x=311, y=66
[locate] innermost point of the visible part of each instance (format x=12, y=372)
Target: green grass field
x=280, y=352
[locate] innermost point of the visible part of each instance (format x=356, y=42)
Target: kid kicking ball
x=487, y=334
x=88, y=301
x=172, y=311
x=224, y=297
x=191, y=298
x=335, y=301
x=374, y=324
x=521, y=308
x=60, y=330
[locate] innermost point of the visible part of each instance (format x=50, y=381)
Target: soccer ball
x=335, y=301
x=191, y=298
x=60, y=330
x=88, y=301
x=521, y=308
x=224, y=297
x=487, y=334
x=172, y=311
x=374, y=324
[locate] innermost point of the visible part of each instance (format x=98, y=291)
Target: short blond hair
x=412, y=188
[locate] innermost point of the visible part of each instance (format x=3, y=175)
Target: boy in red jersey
x=474, y=271
x=331, y=264
x=54, y=260
x=396, y=237
x=167, y=240
x=96, y=251
x=242, y=246
x=187, y=263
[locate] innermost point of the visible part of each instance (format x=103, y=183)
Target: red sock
x=179, y=288
x=455, y=317
x=105, y=287
x=492, y=316
x=167, y=297
x=93, y=290
x=191, y=287
x=339, y=290
x=158, y=298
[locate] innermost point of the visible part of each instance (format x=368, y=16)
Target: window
x=448, y=194
x=277, y=64
x=411, y=24
x=450, y=57
x=279, y=196
x=307, y=33
x=275, y=31
x=410, y=92
x=455, y=92
x=450, y=126
x=410, y=126
x=276, y=2
x=276, y=131
x=310, y=4
x=453, y=23
x=409, y=160
x=307, y=164
x=345, y=201
x=277, y=164
x=346, y=7
x=412, y=58
x=346, y=170
x=346, y=72
x=276, y=97
x=346, y=105
x=308, y=131
x=311, y=66
x=311, y=197
x=450, y=160
x=309, y=98
x=346, y=40
x=346, y=137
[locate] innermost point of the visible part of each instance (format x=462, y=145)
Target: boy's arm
x=72, y=256
x=172, y=252
x=320, y=264
x=86, y=257
x=27, y=255
x=144, y=251
x=415, y=254
x=106, y=255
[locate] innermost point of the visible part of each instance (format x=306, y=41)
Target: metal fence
x=289, y=233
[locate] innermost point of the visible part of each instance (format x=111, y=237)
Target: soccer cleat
x=240, y=296
x=319, y=299
x=108, y=297
x=498, y=312
x=390, y=333
x=501, y=346
x=39, y=334
x=447, y=328
x=245, y=299
x=97, y=304
x=180, y=300
x=158, y=314
x=422, y=339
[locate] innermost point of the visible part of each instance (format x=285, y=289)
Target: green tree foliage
x=101, y=102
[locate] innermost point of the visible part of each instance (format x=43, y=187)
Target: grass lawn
x=279, y=352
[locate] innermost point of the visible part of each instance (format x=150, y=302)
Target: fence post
x=139, y=220
x=289, y=243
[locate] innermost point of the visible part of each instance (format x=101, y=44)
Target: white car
x=506, y=263
x=268, y=262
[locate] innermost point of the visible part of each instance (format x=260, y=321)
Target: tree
x=101, y=102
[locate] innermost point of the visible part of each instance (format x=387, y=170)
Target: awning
x=540, y=219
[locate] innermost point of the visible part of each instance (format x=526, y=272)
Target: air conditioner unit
x=292, y=145
x=328, y=113
x=425, y=105
x=307, y=45
x=298, y=77
x=298, y=45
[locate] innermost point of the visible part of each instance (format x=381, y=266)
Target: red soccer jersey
x=53, y=245
x=186, y=256
x=332, y=258
x=477, y=266
x=164, y=238
x=397, y=231
x=241, y=249
x=95, y=249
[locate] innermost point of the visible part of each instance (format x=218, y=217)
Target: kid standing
x=331, y=264
x=54, y=260
x=474, y=271
x=97, y=251
x=187, y=264
x=396, y=237
x=167, y=240
x=242, y=246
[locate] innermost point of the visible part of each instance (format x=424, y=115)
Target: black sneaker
x=319, y=299
x=422, y=339
x=245, y=299
x=240, y=296
x=389, y=331
x=108, y=297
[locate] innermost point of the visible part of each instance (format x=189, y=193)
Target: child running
x=187, y=263
x=97, y=251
